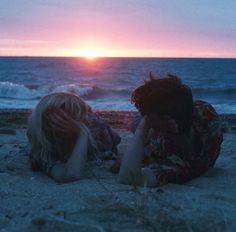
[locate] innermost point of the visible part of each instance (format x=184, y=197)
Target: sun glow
x=90, y=54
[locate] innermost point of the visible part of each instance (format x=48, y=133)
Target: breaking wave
x=10, y=90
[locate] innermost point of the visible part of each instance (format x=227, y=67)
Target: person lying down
x=176, y=139
x=64, y=134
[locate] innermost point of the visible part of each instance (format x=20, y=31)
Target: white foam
x=10, y=90
x=97, y=105
x=18, y=96
x=77, y=89
x=18, y=91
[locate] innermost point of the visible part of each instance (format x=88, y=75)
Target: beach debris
x=39, y=222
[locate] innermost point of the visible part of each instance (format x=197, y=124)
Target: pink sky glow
x=129, y=28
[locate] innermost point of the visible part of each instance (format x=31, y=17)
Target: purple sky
x=169, y=28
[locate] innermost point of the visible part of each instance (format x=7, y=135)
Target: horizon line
x=128, y=57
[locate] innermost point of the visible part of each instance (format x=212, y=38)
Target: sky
x=123, y=28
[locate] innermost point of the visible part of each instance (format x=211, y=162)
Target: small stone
x=61, y=214
x=160, y=190
x=38, y=222
x=18, y=145
x=10, y=168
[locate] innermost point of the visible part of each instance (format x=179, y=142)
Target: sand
x=30, y=201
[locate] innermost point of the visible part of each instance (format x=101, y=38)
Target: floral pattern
x=174, y=166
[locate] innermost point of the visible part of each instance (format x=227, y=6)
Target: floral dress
x=105, y=137
x=175, y=166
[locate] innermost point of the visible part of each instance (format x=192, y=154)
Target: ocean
x=107, y=83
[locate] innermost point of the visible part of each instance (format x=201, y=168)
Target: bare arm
x=131, y=171
x=73, y=168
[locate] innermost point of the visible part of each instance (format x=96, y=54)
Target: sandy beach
x=30, y=201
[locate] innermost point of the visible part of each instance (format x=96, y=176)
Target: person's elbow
x=123, y=179
x=149, y=178
x=129, y=178
x=145, y=177
x=61, y=174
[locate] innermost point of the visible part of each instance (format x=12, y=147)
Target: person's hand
x=63, y=123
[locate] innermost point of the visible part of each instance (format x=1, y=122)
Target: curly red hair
x=166, y=96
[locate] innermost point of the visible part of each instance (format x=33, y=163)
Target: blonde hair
x=41, y=146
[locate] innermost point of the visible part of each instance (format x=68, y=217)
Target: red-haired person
x=176, y=139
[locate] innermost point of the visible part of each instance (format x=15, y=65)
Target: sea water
x=107, y=83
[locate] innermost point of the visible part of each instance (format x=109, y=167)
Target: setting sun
x=90, y=54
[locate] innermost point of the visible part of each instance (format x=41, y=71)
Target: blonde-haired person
x=64, y=133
